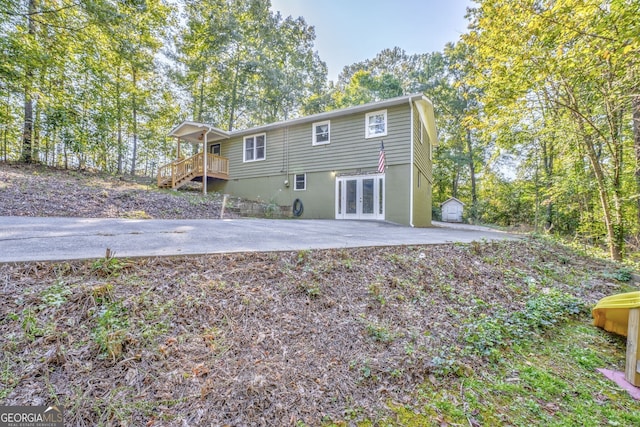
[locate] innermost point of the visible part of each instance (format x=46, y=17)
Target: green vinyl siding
x=233, y=149
x=348, y=150
x=290, y=151
x=421, y=200
x=421, y=149
x=422, y=173
x=397, y=194
x=318, y=199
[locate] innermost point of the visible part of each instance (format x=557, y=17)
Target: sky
x=350, y=31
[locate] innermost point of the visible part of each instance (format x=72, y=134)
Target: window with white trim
x=375, y=124
x=321, y=133
x=255, y=147
x=300, y=182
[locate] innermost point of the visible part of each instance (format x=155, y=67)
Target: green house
x=369, y=162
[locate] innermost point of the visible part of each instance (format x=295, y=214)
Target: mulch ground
x=36, y=190
x=263, y=338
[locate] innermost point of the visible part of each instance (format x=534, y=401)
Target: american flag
x=381, y=159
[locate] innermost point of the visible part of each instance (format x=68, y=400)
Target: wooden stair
x=178, y=173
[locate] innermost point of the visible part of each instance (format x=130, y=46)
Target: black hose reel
x=298, y=208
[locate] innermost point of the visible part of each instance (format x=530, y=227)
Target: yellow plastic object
x=612, y=313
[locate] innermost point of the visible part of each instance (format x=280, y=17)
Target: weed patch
x=481, y=334
x=489, y=334
x=108, y=266
x=112, y=327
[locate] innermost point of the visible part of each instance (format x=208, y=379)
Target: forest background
x=537, y=105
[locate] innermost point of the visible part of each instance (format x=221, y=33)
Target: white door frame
x=360, y=197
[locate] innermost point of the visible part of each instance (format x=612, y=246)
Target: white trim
x=382, y=190
x=331, y=114
x=367, y=133
x=314, y=134
x=420, y=99
x=295, y=182
x=452, y=199
x=411, y=166
x=338, y=200
x=425, y=111
x=244, y=148
x=194, y=132
x=379, y=189
x=204, y=162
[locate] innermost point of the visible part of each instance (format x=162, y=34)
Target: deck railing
x=178, y=171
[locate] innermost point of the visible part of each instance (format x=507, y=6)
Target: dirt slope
x=267, y=338
x=42, y=191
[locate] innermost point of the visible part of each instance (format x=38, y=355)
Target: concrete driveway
x=54, y=238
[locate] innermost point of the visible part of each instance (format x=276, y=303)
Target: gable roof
x=452, y=199
x=194, y=132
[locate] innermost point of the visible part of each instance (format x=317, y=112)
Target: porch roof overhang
x=194, y=132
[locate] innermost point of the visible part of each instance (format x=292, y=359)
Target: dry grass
x=35, y=190
x=294, y=338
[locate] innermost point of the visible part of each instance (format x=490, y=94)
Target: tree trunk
x=119, y=120
x=5, y=132
x=635, y=103
x=135, y=123
x=35, y=144
x=617, y=146
x=454, y=184
x=35, y=149
x=234, y=99
x=472, y=172
x=201, y=101
x=548, y=181
x=66, y=156
x=4, y=151
x=613, y=229
x=27, y=133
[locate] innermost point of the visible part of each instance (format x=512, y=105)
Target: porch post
x=178, y=156
x=204, y=165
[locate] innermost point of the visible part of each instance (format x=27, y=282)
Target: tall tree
x=464, y=107
x=244, y=65
x=137, y=31
x=27, y=135
x=577, y=54
x=365, y=87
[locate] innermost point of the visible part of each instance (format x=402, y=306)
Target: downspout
x=286, y=148
x=285, y=162
x=204, y=164
x=411, y=165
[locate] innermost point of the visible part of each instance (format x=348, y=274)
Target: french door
x=360, y=197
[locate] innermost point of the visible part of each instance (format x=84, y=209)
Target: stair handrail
x=177, y=170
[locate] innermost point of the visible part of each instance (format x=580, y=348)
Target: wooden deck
x=178, y=173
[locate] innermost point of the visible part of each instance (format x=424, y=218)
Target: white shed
x=452, y=210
